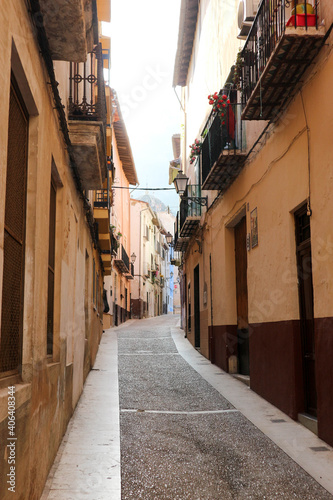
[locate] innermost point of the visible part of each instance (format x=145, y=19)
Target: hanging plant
x=223, y=108
x=220, y=104
x=195, y=150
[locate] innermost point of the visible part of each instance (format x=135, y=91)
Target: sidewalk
x=88, y=462
x=87, y=465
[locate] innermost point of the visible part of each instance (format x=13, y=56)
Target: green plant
x=238, y=70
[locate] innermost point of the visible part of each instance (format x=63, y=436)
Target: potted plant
x=118, y=235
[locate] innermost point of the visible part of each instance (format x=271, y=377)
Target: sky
x=144, y=39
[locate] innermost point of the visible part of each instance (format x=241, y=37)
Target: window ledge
x=22, y=394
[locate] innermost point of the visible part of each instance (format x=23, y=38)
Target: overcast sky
x=143, y=45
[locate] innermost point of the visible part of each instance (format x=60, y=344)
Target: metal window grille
x=14, y=237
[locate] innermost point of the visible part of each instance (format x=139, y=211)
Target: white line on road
x=195, y=412
x=149, y=353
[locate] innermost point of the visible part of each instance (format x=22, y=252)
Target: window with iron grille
x=14, y=236
x=50, y=293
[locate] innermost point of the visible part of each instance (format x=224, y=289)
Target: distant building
x=151, y=293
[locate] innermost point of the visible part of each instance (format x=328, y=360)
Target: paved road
x=182, y=440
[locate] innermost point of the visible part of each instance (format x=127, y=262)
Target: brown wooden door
x=196, y=307
x=305, y=289
x=242, y=298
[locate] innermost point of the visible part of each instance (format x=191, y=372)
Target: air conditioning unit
x=247, y=10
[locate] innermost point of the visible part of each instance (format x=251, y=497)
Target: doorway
x=243, y=348
x=196, y=307
x=305, y=292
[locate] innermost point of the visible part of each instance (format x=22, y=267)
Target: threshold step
x=243, y=378
x=309, y=422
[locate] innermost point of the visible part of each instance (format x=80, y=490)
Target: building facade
x=53, y=161
x=118, y=285
x=151, y=286
x=257, y=268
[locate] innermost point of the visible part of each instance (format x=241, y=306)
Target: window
x=14, y=235
x=50, y=292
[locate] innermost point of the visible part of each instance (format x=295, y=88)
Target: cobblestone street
x=179, y=428
x=181, y=439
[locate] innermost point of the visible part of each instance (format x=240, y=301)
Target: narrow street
x=180, y=438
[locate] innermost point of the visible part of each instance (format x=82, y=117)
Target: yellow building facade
x=53, y=160
x=257, y=260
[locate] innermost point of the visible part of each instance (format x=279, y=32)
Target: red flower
x=211, y=102
x=228, y=101
x=223, y=123
x=224, y=97
x=222, y=114
x=224, y=105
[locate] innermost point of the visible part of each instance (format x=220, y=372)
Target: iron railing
x=268, y=27
x=176, y=228
x=124, y=257
x=190, y=208
x=221, y=134
x=87, y=89
x=114, y=245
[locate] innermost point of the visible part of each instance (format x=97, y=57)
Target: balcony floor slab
x=225, y=170
x=279, y=81
x=89, y=150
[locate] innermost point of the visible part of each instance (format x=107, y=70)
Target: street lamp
x=133, y=258
x=169, y=238
x=180, y=183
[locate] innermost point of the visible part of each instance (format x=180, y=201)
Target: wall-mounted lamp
x=180, y=183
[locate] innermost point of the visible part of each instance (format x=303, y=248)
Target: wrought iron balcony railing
x=114, y=245
x=223, y=148
x=121, y=261
x=281, y=44
x=102, y=198
x=190, y=211
x=87, y=89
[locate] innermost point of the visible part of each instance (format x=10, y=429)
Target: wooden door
x=242, y=298
x=305, y=290
x=196, y=307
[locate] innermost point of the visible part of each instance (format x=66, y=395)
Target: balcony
x=114, y=246
x=69, y=27
x=181, y=244
x=121, y=261
x=146, y=269
x=102, y=217
x=223, y=149
x=279, y=49
x=87, y=119
x=106, y=259
x=190, y=212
